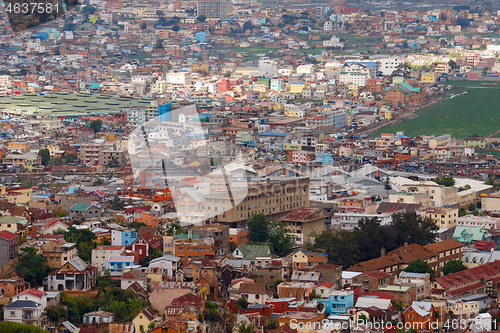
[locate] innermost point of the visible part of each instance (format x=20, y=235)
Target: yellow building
x=204, y=67
x=155, y=274
x=28, y=161
x=9, y=223
x=387, y=113
x=19, y=147
x=142, y=321
x=2, y=189
x=53, y=148
x=19, y=195
x=428, y=78
x=297, y=87
x=445, y=218
x=321, y=147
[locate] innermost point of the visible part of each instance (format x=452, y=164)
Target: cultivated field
x=477, y=111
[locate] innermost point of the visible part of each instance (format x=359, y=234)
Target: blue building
x=201, y=37
x=117, y=265
x=268, y=37
x=164, y=111
x=370, y=64
x=324, y=158
x=338, y=302
x=123, y=237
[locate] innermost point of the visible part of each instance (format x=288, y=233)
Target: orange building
x=190, y=247
x=148, y=219
x=238, y=236
x=14, y=286
x=419, y=316
x=406, y=92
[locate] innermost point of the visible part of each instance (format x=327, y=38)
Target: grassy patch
x=474, y=112
x=495, y=153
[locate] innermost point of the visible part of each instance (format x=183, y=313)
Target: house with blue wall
x=338, y=302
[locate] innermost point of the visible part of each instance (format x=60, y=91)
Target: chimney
x=406, y=244
x=268, y=180
x=382, y=252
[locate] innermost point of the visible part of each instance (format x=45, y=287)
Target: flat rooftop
x=68, y=104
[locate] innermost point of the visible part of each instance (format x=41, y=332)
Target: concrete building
x=274, y=198
x=91, y=153
x=214, y=9
x=268, y=67
x=101, y=255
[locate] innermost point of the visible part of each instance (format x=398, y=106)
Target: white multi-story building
x=388, y=65
x=334, y=41
x=485, y=222
x=101, y=255
x=137, y=116
x=268, y=67
x=328, y=26
x=339, y=119
x=160, y=87
x=359, y=79
x=181, y=78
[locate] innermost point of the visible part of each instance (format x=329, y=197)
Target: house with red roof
x=144, y=243
x=471, y=281
x=32, y=294
x=372, y=280
x=9, y=247
x=324, y=289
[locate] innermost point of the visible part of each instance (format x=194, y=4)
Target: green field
x=475, y=112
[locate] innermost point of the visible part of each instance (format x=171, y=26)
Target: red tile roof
x=375, y=274
x=326, y=284
x=7, y=235
x=34, y=292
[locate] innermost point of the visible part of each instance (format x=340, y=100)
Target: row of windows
x=195, y=248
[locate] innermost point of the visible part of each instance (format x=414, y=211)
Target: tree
x=453, y=266
x=412, y=228
x=32, y=266
x=117, y=203
x=471, y=207
x=84, y=239
x=403, y=69
x=242, y=303
x=258, y=229
x=463, y=22
x=447, y=181
x=176, y=28
x=201, y=18
x=281, y=240
x=159, y=43
x=452, y=64
x=244, y=328
x=420, y=266
x=11, y=327
x=113, y=163
x=247, y=26
x=55, y=314
x=232, y=246
x=144, y=25
x=277, y=283
x=160, y=13
x=98, y=182
x=212, y=314
x=96, y=125
x=45, y=155
x=387, y=184
x=462, y=212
